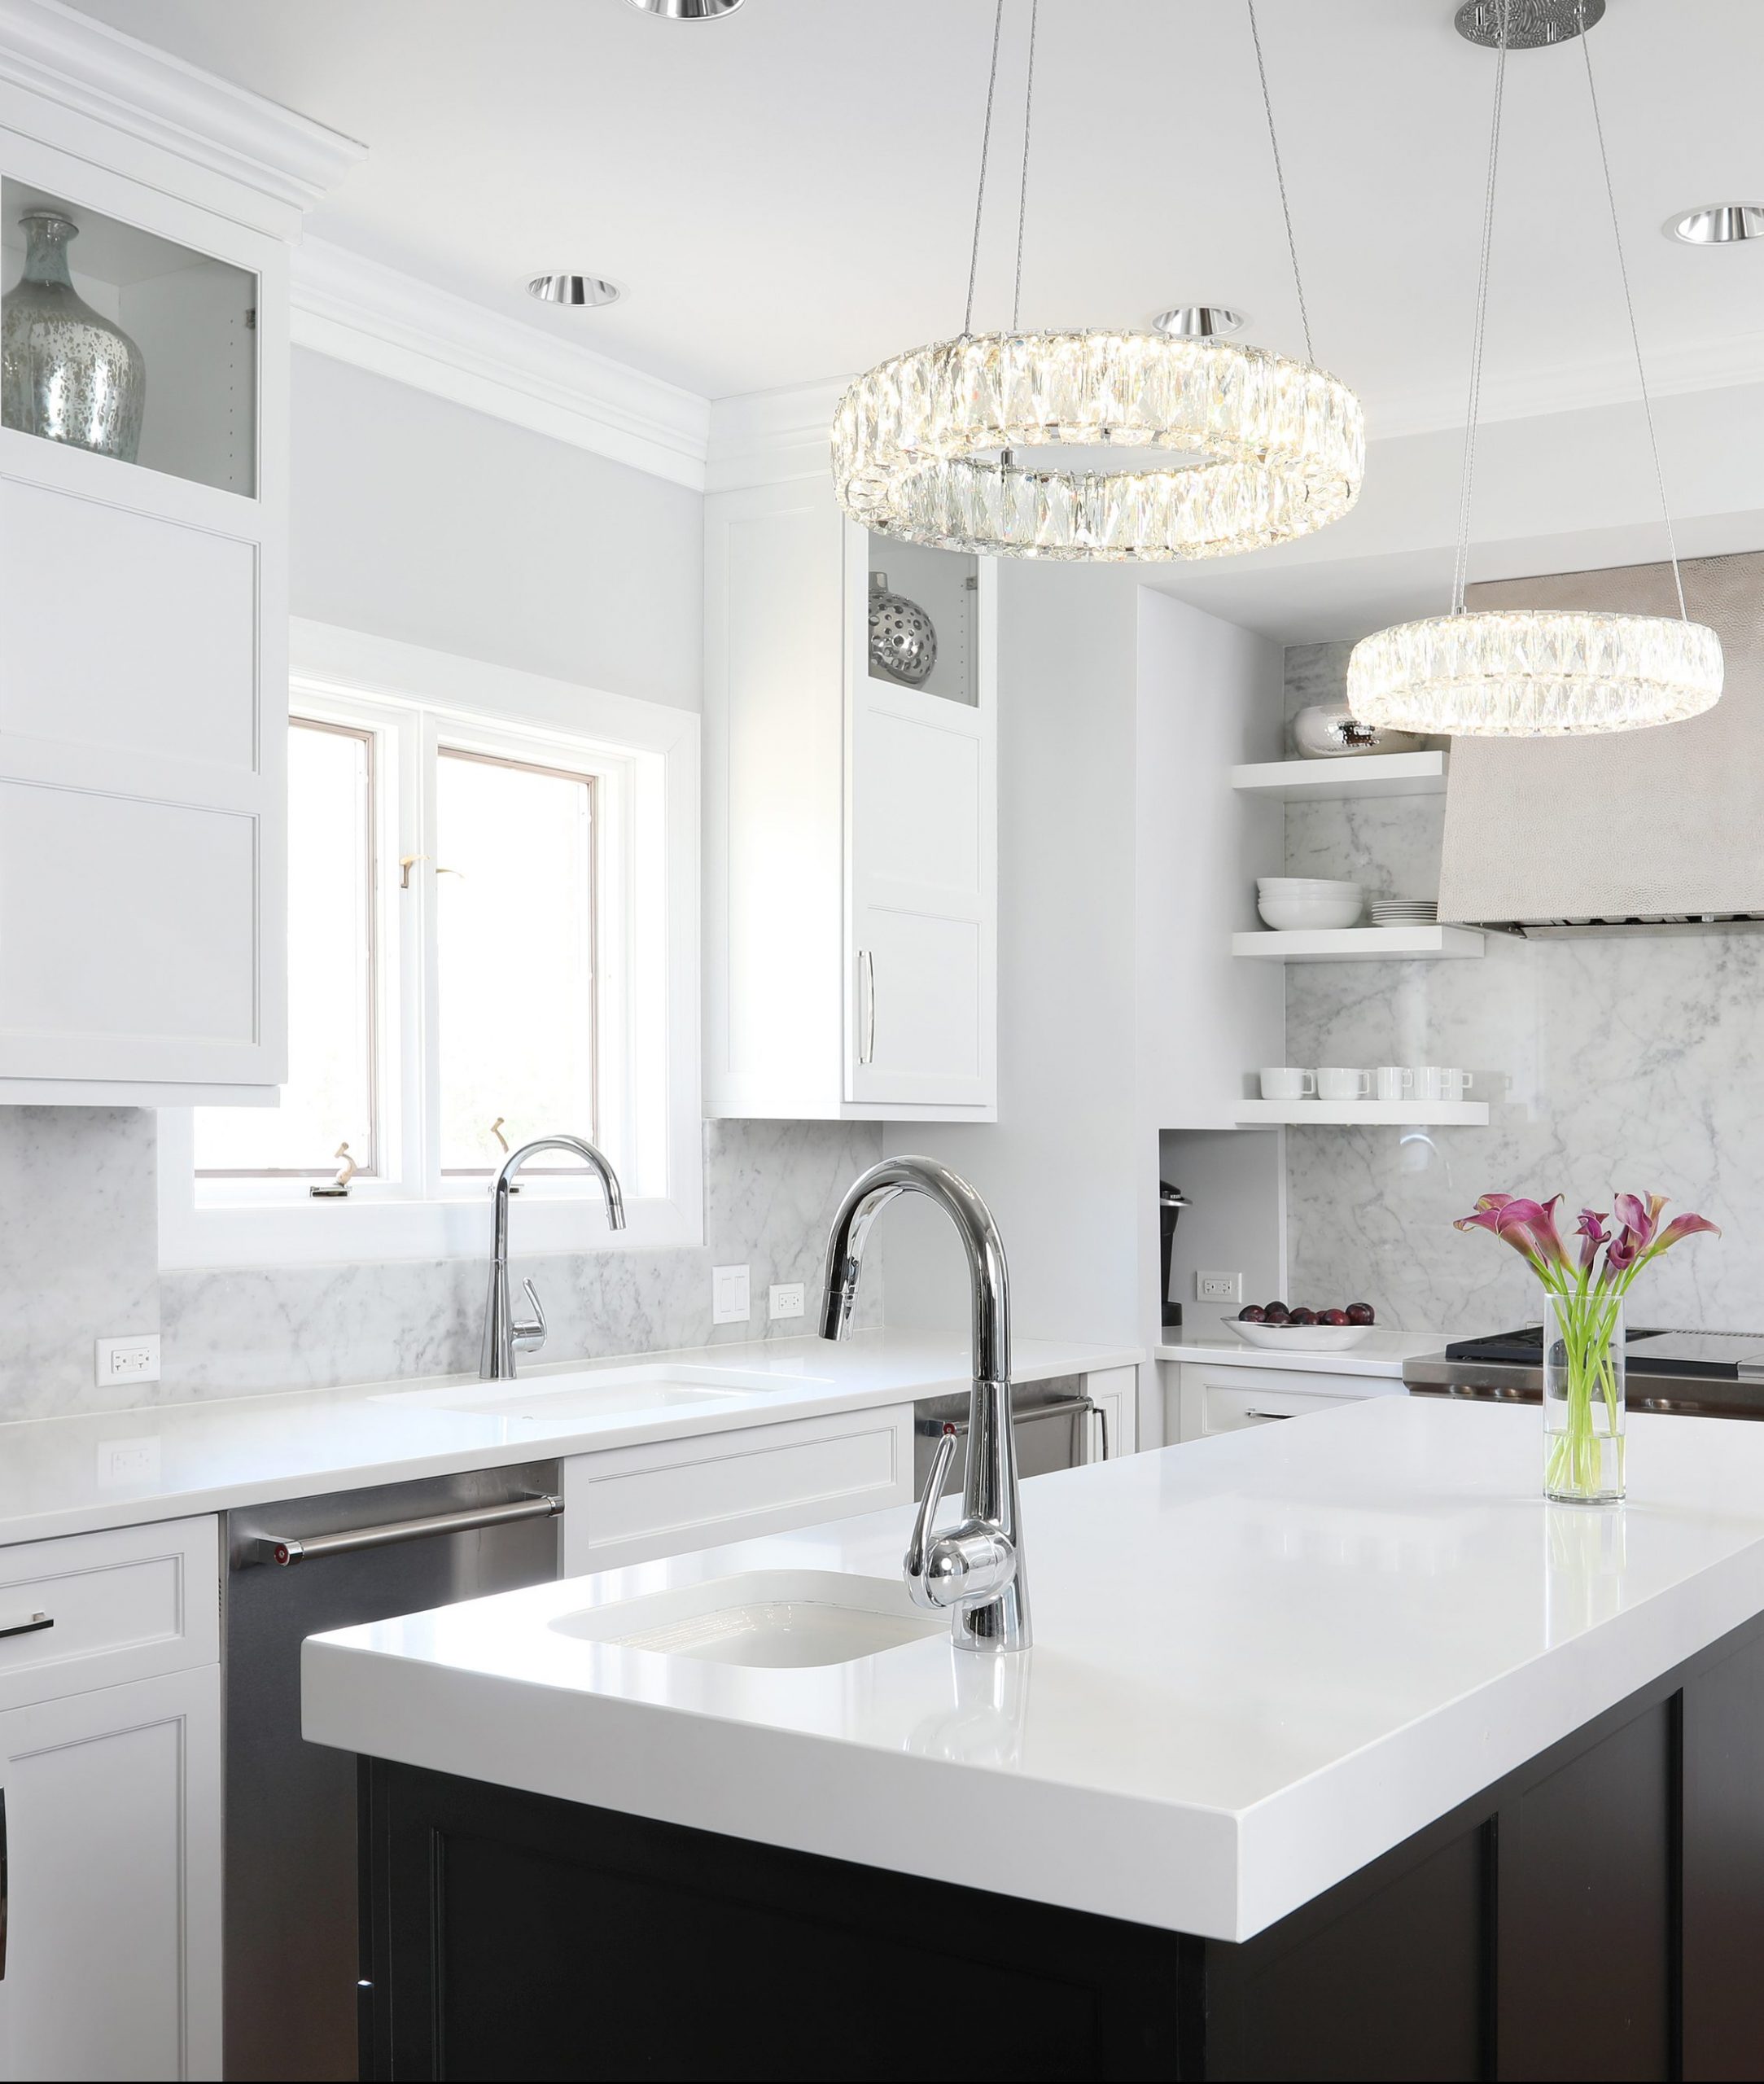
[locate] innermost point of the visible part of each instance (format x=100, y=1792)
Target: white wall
x=418, y=519
x=1124, y=862
x=1237, y=1180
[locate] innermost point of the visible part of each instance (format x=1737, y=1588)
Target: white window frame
x=645, y=755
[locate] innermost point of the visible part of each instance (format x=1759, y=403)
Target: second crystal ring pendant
x=925, y=446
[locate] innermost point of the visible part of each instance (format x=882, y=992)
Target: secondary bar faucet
x=975, y=1569
x=504, y=1335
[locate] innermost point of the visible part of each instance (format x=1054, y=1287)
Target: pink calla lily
x=1685, y=1226
x=1530, y=1227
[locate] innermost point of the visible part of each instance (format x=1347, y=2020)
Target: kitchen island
x=1338, y=1752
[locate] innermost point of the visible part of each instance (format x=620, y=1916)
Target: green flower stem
x=1585, y=1319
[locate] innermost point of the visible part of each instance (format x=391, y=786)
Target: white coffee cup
x=1335, y=1083
x=1392, y=1082
x=1441, y=1082
x=1285, y=1082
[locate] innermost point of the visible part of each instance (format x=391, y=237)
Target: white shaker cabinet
x=143, y=602
x=110, y=1804
x=850, y=867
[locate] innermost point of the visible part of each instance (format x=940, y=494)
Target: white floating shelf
x=1354, y=774
x=1362, y=944
x=1365, y=1114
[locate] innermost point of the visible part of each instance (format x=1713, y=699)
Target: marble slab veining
x=1608, y=1064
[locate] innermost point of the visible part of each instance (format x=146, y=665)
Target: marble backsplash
x=1608, y=1064
x=79, y=1259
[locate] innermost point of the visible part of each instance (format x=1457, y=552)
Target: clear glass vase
x=1583, y=1399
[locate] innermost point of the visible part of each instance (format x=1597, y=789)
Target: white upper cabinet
x=851, y=914
x=143, y=673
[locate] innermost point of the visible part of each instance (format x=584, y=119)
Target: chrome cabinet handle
x=291, y=1551
x=866, y=970
x=1101, y=1416
x=37, y=1623
x=1271, y=1414
x=6, y=1890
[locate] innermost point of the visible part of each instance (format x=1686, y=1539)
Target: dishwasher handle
x=288, y=1551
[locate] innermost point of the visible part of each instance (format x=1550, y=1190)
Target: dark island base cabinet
x=1598, y=1914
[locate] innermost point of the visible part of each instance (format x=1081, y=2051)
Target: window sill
x=320, y=1232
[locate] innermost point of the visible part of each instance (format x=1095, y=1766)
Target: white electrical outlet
x=786, y=1298
x=1218, y=1287
x=730, y=1303
x=128, y=1461
x=134, y=1359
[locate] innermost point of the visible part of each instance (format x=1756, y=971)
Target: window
x=492, y=937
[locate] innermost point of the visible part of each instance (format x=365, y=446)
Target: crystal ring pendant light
x=1537, y=672
x=924, y=445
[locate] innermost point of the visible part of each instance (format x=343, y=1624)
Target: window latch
x=407, y=862
x=337, y=1190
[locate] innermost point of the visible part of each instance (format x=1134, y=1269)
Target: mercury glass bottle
x=68, y=373
x=1583, y=1399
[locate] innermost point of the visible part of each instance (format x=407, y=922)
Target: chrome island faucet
x=503, y=1336
x=976, y=1568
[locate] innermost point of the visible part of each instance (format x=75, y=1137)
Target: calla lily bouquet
x=1587, y=1276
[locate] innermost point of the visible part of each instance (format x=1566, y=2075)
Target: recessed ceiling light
x=688, y=10
x=1200, y=321
x=572, y=289
x=1531, y=24
x=1718, y=224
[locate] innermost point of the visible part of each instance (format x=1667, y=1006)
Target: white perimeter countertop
x=1382, y=1353
x=1260, y=1661
x=123, y=1467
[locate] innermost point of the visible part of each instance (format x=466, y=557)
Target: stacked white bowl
x=1298, y=904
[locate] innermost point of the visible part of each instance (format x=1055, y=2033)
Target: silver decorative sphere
x=903, y=638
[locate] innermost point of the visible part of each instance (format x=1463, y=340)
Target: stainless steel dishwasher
x=295, y=1569
x=1057, y=1425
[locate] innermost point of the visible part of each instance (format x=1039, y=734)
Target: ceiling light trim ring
x=1528, y=672
x=1283, y=444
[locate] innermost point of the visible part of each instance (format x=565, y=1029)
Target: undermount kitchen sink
x=780, y=1619
x=655, y=1386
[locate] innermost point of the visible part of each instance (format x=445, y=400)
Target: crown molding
x=278, y=164
x=362, y=312
x=769, y=437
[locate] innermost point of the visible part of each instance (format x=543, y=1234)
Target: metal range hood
x=1655, y=831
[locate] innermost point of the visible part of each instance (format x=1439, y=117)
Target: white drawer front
x=126, y=1604
x=1227, y=1406
x=632, y=1503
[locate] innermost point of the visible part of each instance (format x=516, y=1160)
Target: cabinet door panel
x=121, y=918
x=76, y=574
x=113, y=1808
x=923, y=879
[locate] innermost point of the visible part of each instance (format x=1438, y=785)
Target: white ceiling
x=786, y=195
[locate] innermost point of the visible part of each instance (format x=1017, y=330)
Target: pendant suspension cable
x=986, y=147
x=1461, y=570
x=1023, y=192
x=1629, y=306
x=1280, y=178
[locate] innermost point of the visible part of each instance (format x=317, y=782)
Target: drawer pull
x=34, y=1625
x=5, y=1893
x=1271, y=1414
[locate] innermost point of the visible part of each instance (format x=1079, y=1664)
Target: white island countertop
x=1261, y=1660
x=124, y=1468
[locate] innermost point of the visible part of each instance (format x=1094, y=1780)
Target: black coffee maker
x=1171, y=1201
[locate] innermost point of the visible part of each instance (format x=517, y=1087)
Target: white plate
x=1303, y=1338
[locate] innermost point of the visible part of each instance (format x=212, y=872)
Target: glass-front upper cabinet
x=125, y=344
x=923, y=615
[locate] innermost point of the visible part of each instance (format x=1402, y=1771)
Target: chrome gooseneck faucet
x=504, y=1336
x=975, y=1569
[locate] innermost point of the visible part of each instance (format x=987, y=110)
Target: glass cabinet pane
x=131, y=345
x=923, y=604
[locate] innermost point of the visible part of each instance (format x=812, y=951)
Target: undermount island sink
x=779, y=1619
x=655, y=1386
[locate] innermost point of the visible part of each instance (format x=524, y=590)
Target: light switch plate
x=1218, y=1287
x=786, y=1298
x=135, y=1359
x=730, y=1303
